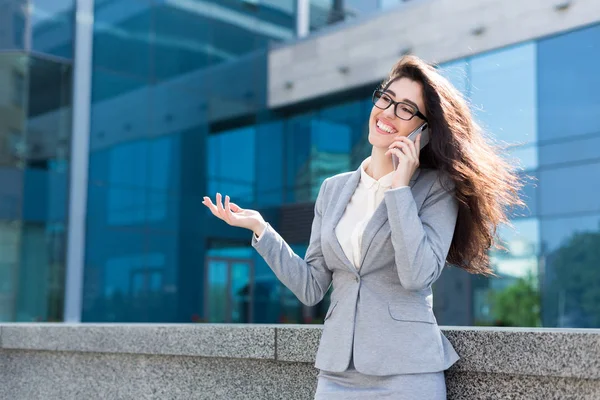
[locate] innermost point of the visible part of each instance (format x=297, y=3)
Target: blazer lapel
x=338, y=210
x=375, y=223
x=379, y=218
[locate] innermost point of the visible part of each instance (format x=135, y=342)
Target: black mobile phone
x=423, y=129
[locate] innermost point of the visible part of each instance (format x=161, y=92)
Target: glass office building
x=179, y=110
x=36, y=42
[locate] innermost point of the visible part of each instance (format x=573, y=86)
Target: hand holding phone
x=424, y=131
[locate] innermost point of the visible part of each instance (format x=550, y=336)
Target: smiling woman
x=383, y=234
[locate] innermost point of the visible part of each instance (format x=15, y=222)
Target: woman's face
x=385, y=125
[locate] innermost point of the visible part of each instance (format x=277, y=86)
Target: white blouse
x=360, y=209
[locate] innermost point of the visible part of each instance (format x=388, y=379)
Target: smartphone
x=424, y=131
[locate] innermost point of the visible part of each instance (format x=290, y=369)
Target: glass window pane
x=524, y=156
x=512, y=299
x=217, y=291
x=457, y=73
x=10, y=234
x=35, y=133
x=569, y=190
x=571, y=298
x=122, y=32
x=115, y=258
x=298, y=158
x=241, y=292
x=231, y=164
x=11, y=193
x=14, y=23
x=569, y=84
x=504, y=93
x=52, y=27
x=182, y=39
x=583, y=149
x=267, y=292
x=332, y=137
x=269, y=163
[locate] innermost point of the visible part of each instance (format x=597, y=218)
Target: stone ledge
x=563, y=353
x=210, y=340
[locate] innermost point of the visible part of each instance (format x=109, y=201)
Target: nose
x=389, y=112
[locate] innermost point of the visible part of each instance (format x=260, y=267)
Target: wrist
x=259, y=228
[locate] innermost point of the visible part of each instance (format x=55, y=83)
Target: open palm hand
x=233, y=214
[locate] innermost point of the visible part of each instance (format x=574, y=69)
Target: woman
x=383, y=235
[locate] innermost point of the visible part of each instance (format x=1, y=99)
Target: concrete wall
x=436, y=30
x=214, y=361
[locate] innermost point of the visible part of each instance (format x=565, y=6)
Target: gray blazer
x=382, y=312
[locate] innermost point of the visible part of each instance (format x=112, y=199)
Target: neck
x=380, y=164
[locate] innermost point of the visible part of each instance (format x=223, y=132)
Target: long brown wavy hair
x=486, y=185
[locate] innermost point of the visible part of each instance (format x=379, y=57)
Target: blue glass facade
x=178, y=90
x=179, y=111
x=35, y=130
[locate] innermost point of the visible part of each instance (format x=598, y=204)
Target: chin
x=377, y=140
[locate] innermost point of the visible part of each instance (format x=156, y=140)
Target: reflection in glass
x=122, y=35
x=182, y=40
x=297, y=158
x=504, y=93
x=572, y=277
x=131, y=286
x=269, y=153
x=109, y=85
x=35, y=132
x=241, y=292
x=292, y=311
x=322, y=144
x=217, y=291
x=231, y=164
x=572, y=150
x=456, y=73
x=569, y=83
x=512, y=298
x=329, y=12
x=10, y=234
x=229, y=284
x=14, y=69
x=12, y=36
x=524, y=156
x=332, y=135
x=569, y=190
x=52, y=27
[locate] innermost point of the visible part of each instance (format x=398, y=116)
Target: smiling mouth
x=386, y=129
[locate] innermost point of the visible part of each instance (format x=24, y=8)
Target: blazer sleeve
x=307, y=278
x=421, y=241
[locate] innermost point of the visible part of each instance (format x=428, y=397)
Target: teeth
x=385, y=127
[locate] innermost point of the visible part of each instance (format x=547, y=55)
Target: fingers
x=220, y=208
x=208, y=203
x=397, y=152
x=224, y=212
x=228, y=214
x=217, y=210
x=400, y=149
x=234, y=207
x=408, y=147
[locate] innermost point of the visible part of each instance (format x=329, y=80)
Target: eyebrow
x=405, y=100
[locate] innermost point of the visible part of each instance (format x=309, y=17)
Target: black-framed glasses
x=405, y=111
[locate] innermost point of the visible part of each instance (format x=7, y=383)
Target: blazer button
x=356, y=279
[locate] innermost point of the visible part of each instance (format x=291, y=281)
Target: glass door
x=229, y=290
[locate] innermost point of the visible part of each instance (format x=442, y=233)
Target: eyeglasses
x=406, y=111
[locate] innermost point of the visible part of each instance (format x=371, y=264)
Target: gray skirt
x=351, y=384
